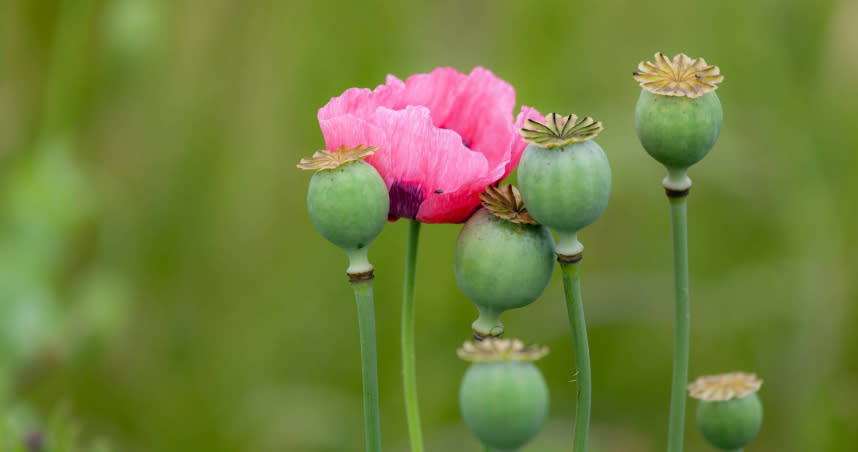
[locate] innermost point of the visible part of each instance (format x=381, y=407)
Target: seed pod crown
x=724, y=387
x=493, y=349
x=679, y=77
x=325, y=159
x=506, y=203
x=557, y=130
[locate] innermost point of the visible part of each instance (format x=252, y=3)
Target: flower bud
x=503, y=396
x=504, y=259
x=678, y=115
x=347, y=200
x=729, y=413
x=564, y=176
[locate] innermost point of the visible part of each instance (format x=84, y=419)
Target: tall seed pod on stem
x=565, y=180
x=348, y=204
x=678, y=118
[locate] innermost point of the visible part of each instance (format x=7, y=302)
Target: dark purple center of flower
x=405, y=200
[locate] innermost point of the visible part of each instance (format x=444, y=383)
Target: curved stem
x=679, y=228
x=578, y=325
x=409, y=368
x=369, y=363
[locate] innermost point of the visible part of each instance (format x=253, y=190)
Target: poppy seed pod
x=504, y=259
x=564, y=176
x=503, y=396
x=347, y=200
x=678, y=115
x=729, y=413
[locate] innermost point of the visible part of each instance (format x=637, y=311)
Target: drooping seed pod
x=564, y=176
x=347, y=200
x=503, y=396
x=729, y=413
x=678, y=115
x=504, y=258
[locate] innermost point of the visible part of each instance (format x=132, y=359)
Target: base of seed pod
x=568, y=244
x=487, y=325
x=677, y=180
x=358, y=261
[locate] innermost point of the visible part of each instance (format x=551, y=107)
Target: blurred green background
x=160, y=277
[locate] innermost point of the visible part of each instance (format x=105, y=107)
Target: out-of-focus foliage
x=21, y=431
x=160, y=274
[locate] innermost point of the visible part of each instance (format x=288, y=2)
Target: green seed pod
x=678, y=131
x=504, y=259
x=503, y=396
x=729, y=413
x=678, y=115
x=347, y=200
x=564, y=176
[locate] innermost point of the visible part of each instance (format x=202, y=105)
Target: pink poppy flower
x=442, y=138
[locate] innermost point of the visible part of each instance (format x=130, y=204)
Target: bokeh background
x=161, y=281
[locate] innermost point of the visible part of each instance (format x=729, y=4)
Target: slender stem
x=578, y=325
x=679, y=228
x=369, y=363
x=409, y=368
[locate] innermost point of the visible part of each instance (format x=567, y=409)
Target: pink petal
x=458, y=207
x=438, y=91
x=420, y=163
x=424, y=154
x=482, y=115
x=362, y=102
x=454, y=207
x=351, y=131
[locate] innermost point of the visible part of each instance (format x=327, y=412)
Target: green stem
x=369, y=363
x=679, y=228
x=578, y=325
x=409, y=368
